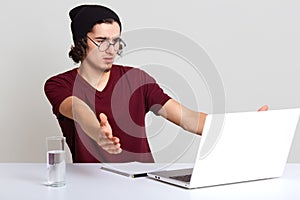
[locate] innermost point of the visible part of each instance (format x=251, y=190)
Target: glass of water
x=56, y=161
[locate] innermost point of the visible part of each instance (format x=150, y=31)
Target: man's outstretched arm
x=74, y=108
x=188, y=119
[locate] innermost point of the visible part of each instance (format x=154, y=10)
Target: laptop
x=238, y=147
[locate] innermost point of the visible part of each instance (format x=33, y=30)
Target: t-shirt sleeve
x=155, y=96
x=57, y=89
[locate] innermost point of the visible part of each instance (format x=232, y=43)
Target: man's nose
x=110, y=49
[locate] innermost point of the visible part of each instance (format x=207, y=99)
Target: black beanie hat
x=84, y=17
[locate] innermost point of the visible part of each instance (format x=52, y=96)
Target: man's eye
x=116, y=40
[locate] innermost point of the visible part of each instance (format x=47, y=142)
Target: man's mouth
x=108, y=59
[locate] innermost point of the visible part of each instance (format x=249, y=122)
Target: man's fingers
x=115, y=140
x=111, y=145
x=105, y=141
x=107, y=133
x=106, y=129
x=112, y=148
x=114, y=151
x=103, y=119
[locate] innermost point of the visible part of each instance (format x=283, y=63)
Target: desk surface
x=88, y=181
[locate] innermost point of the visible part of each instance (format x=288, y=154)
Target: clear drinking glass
x=56, y=161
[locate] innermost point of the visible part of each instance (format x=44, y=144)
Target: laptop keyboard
x=185, y=178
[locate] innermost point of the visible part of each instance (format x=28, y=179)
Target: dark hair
x=78, y=51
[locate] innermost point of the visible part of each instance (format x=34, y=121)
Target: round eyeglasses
x=117, y=43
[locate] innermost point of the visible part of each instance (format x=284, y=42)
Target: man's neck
x=95, y=77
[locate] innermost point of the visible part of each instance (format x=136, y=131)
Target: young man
x=100, y=106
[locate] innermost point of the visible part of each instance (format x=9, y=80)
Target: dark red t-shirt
x=129, y=94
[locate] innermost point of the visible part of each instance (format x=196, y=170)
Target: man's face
x=102, y=60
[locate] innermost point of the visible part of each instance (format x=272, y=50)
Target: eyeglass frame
x=122, y=44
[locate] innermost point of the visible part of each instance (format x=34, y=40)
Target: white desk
x=87, y=181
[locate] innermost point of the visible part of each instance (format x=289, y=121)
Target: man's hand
x=264, y=108
x=106, y=139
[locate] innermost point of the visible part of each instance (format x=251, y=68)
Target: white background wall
x=254, y=45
